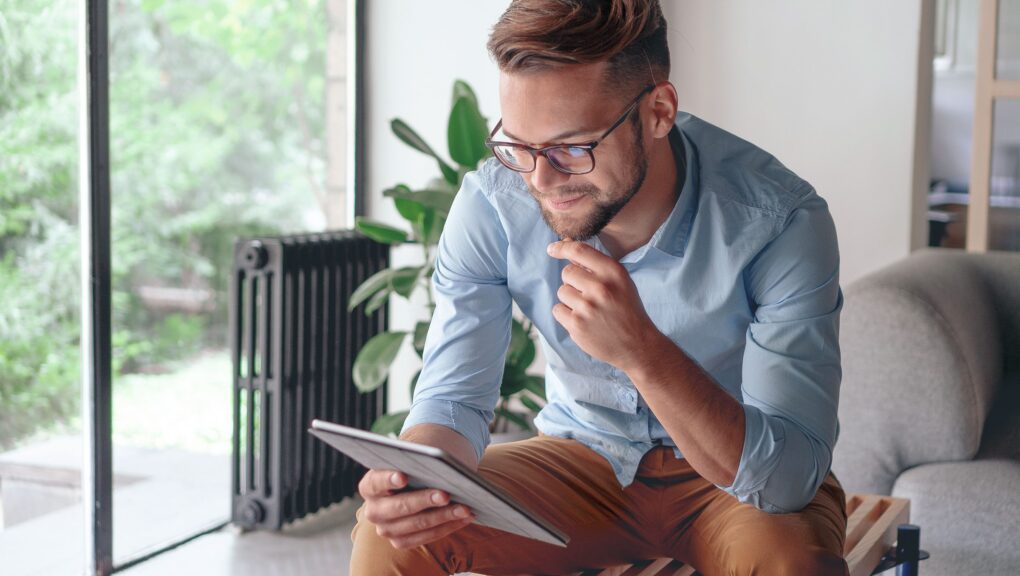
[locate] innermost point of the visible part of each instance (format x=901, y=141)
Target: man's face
x=567, y=105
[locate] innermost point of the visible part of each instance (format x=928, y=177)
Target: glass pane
x=952, y=124
x=40, y=290
x=1007, y=66
x=218, y=130
x=1004, y=219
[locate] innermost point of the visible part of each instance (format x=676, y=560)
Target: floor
x=317, y=545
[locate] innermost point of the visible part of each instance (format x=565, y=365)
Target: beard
x=604, y=205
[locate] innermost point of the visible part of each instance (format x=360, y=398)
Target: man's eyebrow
x=557, y=138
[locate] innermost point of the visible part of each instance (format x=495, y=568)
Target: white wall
x=413, y=53
x=830, y=87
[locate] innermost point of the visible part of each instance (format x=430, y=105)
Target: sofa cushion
x=922, y=361
x=1001, y=437
x=968, y=514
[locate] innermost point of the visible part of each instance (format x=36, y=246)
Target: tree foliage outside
x=216, y=131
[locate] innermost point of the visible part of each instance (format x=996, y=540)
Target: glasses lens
x=571, y=159
x=515, y=158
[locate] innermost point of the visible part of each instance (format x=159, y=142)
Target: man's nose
x=545, y=177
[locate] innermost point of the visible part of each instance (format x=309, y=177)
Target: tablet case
x=430, y=467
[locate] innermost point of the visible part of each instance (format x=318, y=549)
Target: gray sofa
x=930, y=402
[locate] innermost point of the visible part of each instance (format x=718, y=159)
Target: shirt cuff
x=780, y=468
x=468, y=422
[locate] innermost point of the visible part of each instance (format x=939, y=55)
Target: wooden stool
x=870, y=533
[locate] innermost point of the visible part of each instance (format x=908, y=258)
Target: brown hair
x=630, y=35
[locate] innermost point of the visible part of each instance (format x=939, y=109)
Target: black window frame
x=94, y=219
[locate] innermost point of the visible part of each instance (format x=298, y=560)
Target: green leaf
x=449, y=174
x=521, y=352
x=411, y=138
x=409, y=210
x=438, y=200
x=512, y=383
x=408, y=136
x=388, y=424
x=462, y=89
x=466, y=133
x=535, y=385
x=414, y=381
x=378, y=300
x=380, y=232
x=382, y=283
x=430, y=227
x=514, y=417
x=530, y=404
x=403, y=280
x=376, y=282
x=421, y=331
x=372, y=365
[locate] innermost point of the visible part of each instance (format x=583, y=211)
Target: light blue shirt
x=743, y=276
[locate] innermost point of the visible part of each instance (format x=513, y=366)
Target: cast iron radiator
x=293, y=344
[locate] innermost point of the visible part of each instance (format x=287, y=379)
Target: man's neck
x=635, y=224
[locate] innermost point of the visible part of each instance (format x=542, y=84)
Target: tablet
x=430, y=467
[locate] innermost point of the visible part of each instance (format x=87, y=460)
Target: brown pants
x=668, y=511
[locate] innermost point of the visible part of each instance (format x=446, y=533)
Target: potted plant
x=425, y=210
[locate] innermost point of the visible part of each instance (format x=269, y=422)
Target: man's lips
x=565, y=203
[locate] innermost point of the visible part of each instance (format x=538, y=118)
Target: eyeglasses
x=566, y=158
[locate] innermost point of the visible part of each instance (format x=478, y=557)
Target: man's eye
x=576, y=151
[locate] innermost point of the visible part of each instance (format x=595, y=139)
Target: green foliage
x=375, y=358
x=425, y=212
x=217, y=115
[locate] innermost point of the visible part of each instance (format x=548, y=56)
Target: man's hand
x=413, y=518
x=600, y=306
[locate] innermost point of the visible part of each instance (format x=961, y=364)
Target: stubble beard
x=604, y=208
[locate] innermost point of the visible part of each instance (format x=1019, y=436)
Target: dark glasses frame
x=588, y=147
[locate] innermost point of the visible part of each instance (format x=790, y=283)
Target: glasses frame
x=588, y=147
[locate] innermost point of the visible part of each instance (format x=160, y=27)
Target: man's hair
x=630, y=35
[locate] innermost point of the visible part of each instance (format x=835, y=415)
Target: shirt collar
x=671, y=236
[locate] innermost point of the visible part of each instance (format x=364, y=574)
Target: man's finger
x=408, y=503
x=570, y=296
x=580, y=278
x=381, y=483
x=563, y=315
x=583, y=255
x=424, y=521
x=430, y=535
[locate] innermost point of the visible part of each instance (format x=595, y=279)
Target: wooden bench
x=870, y=533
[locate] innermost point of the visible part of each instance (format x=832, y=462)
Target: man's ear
x=664, y=108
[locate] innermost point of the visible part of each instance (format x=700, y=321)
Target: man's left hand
x=600, y=306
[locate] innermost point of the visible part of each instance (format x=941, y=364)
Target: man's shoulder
x=734, y=170
x=503, y=189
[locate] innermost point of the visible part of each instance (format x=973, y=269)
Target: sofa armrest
x=922, y=358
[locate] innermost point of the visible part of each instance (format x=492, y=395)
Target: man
x=685, y=288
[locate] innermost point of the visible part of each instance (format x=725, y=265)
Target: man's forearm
x=445, y=438
x=705, y=422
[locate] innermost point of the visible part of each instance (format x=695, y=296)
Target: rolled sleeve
x=791, y=367
x=470, y=330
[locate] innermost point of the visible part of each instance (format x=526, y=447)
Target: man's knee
x=373, y=555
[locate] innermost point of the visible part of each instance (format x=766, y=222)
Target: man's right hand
x=410, y=518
